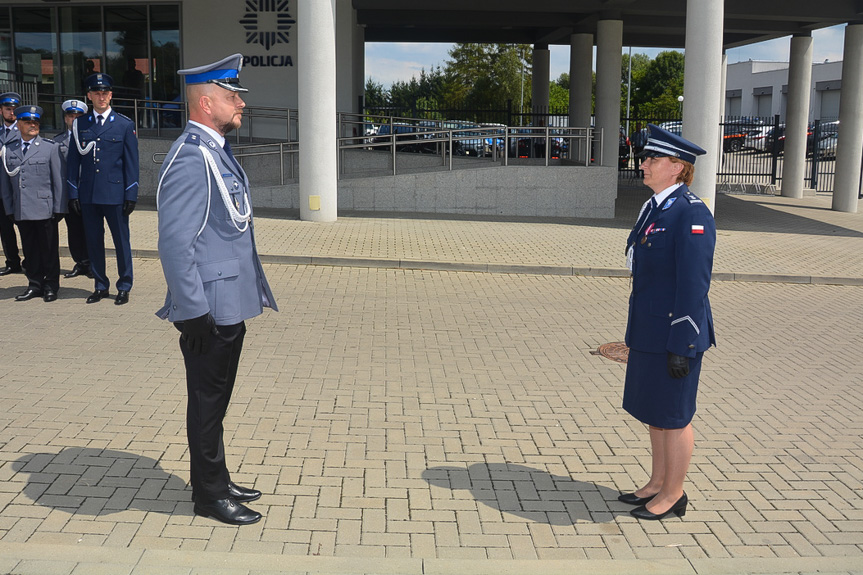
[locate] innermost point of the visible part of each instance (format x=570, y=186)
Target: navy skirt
x=653, y=397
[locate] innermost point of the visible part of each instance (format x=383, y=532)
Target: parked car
x=825, y=130
x=826, y=148
x=756, y=139
x=733, y=137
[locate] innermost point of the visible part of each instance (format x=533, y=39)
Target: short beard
x=226, y=128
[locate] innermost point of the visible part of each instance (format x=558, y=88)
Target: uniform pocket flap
x=219, y=270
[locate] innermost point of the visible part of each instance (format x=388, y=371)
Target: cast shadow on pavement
x=97, y=482
x=530, y=493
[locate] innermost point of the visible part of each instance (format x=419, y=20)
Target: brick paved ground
x=426, y=421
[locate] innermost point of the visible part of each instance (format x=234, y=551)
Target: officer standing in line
x=214, y=275
x=73, y=109
x=8, y=133
x=31, y=183
x=102, y=173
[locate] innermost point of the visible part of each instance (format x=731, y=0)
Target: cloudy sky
x=389, y=62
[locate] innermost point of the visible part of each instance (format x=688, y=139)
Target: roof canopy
x=649, y=23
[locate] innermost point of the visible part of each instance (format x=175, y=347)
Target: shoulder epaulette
x=193, y=139
x=692, y=198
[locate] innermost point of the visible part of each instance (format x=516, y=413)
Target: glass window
x=165, y=51
x=7, y=67
x=35, y=46
x=80, y=47
x=126, y=47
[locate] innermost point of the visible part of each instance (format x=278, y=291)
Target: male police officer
x=8, y=133
x=214, y=276
x=73, y=109
x=102, y=172
x=31, y=183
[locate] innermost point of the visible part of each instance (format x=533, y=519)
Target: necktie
x=227, y=148
x=99, y=119
x=26, y=147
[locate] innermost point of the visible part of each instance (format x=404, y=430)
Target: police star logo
x=267, y=22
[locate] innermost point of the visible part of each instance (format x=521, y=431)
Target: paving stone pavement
x=438, y=421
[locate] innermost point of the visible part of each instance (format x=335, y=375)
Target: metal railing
x=280, y=149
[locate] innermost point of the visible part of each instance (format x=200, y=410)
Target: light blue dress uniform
x=210, y=262
x=102, y=179
x=33, y=191
x=672, y=245
x=211, y=265
x=8, y=238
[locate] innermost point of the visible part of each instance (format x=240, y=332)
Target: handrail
x=241, y=152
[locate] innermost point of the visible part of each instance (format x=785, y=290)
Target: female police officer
x=670, y=254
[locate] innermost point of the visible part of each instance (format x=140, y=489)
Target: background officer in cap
x=102, y=172
x=9, y=132
x=670, y=253
x=72, y=109
x=214, y=276
x=31, y=183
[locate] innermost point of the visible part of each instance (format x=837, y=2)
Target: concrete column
x=580, y=79
x=540, y=83
x=702, y=90
x=609, y=47
x=849, y=147
x=721, y=153
x=359, y=65
x=797, y=116
x=316, y=62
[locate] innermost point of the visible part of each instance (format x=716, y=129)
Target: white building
x=756, y=88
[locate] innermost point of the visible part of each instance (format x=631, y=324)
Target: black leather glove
x=75, y=207
x=197, y=333
x=678, y=365
x=128, y=207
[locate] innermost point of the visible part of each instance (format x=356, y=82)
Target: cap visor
x=651, y=154
x=233, y=86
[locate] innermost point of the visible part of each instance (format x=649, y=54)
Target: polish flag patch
x=697, y=229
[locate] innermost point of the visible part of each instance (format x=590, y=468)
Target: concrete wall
x=554, y=191
x=557, y=191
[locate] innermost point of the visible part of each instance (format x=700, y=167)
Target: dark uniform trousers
x=76, y=238
x=41, y=242
x=9, y=240
x=93, y=216
x=210, y=381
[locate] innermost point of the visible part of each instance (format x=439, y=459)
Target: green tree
x=640, y=64
x=558, y=93
x=488, y=75
x=659, y=86
x=375, y=94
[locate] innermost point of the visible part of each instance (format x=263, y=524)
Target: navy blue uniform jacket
x=668, y=309
x=108, y=174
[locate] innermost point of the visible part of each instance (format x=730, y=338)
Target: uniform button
x=97, y=159
x=175, y=307
x=220, y=273
x=649, y=244
x=670, y=315
x=98, y=139
x=97, y=171
x=691, y=346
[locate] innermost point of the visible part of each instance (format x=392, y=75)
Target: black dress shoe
x=228, y=511
x=678, y=509
x=239, y=494
x=97, y=295
x=78, y=270
x=29, y=294
x=122, y=297
x=633, y=499
x=243, y=494
x=6, y=270
x=50, y=295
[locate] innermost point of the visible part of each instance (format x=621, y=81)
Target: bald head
x=215, y=107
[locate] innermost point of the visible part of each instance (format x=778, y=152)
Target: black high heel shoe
x=678, y=509
x=633, y=499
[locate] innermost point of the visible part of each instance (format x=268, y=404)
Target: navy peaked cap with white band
x=28, y=113
x=74, y=107
x=10, y=99
x=99, y=82
x=662, y=144
x=224, y=73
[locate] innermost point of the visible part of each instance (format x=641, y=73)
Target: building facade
x=760, y=89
